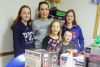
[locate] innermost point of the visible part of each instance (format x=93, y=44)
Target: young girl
x=40, y=25
x=52, y=41
x=67, y=44
x=22, y=31
x=70, y=23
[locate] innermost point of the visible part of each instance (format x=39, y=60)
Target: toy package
x=40, y=58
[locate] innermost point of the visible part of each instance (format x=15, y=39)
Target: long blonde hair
x=50, y=31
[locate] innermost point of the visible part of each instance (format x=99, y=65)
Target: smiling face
x=67, y=36
x=70, y=17
x=25, y=14
x=44, y=11
x=55, y=28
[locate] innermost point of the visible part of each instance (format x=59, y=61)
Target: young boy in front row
x=67, y=44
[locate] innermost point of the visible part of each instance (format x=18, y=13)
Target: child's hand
x=69, y=50
x=73, y=51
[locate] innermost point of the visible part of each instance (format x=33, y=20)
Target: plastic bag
x=67, y=60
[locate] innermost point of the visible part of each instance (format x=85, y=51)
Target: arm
x=72, y=47
x=16, y=43
x=37, y=37
x=81, y=40
x=45, y=43
x=34, y=28
x=34, y=33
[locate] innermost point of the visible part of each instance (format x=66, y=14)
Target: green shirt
x=64, y=47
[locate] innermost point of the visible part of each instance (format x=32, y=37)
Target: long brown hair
x=19, y=18
x=74, y=22
x=50, y=31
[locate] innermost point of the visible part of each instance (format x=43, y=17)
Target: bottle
x=45, y=62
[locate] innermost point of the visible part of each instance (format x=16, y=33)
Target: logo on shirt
x=74, y=34
x=28, y=37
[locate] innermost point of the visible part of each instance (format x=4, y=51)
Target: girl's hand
x=82, y=52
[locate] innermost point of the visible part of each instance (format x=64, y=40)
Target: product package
x=40, y=58
x=67, y=60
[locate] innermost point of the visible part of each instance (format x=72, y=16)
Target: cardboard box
x=40, y=58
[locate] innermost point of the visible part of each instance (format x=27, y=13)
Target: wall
x=85, y=15
x=8, y=12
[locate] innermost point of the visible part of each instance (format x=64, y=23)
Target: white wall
x=8, y=12
x=85, y=15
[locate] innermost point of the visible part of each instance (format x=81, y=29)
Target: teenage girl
x=41, y=25
x=22, y=31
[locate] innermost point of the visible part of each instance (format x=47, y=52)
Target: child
x=22, y=31
x=67, y=44
x=52, y=41
x=41, y=25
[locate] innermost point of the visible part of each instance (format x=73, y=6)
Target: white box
x=40, y=58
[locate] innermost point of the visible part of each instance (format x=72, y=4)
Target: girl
x=70, y=23
x=22, y=31
x=40, y=25
x=52, y=41
x=67, y=44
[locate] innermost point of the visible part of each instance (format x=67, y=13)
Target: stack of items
x=92, y=54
